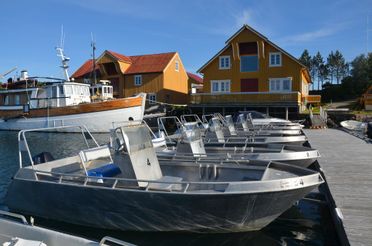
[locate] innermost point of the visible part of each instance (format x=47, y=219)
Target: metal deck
x=347, y=164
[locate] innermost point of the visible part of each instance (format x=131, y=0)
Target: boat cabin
x=57, y=94
x=102, y=91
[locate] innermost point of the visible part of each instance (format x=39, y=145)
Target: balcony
x=312, y=99
x=247, y=98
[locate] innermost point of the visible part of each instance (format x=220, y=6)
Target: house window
x=280, y=84
x=137, y=80
x=224, y=62
x=152, y=98
x=220, y=86
x=275, y=59
x=6, y=100
x=177, y=66
x=248, y=57
x=248, y=63
x=17, y=100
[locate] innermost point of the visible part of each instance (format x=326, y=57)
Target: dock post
x=286, y=113
x=203, y=110
x=267, y=111
x=223, y=111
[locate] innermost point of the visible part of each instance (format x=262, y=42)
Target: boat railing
x=110, y=240
x=23, y=145
x=19, y=217
x=323, y=114
x=311, y=115
x=207, y=174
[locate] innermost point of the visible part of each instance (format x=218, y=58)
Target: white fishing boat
x=28, y=103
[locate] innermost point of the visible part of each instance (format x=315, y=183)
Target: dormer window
x=275, y=59
x=224, y=62
x=137, y=80
x=177, y=66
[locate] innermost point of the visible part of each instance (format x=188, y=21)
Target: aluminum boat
x=133, y=190
x=171, y=128
x=15, y=230
x=191, y=145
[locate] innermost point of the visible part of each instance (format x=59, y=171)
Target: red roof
x=119, y=56
x=149, y=63
x=152, y=63
x=87, y=67
x=195, y=77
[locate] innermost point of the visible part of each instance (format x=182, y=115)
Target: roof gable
x=246, y=27
x=195, y=77
x=150, y=63
x=86, y=68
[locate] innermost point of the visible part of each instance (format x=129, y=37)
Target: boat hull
x=96, y=119
x=130, y=210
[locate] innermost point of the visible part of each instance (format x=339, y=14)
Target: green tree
x=305, y=59
x=340, y=66
x=317, y=62
x=331, y=66
x=323, y=74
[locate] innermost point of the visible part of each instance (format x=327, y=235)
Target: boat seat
x=166, y=186
x=108, y=170
x=97, y=162
x=143, y=158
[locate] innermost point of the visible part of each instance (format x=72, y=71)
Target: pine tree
x=331, y=66
x=340, y=65
x=317, y=62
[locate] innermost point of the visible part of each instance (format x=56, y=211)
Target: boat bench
x=166, y=186
x=108, y=170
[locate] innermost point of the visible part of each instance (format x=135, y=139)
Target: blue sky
x=197, y=29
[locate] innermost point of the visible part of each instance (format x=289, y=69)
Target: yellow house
x=162, y=76
x=252, y=72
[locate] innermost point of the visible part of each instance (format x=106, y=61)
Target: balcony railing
x=313, y=98
x=246, y=98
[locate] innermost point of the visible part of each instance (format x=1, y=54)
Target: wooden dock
x=347, y=165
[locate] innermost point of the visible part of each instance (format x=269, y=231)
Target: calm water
x=306, y=223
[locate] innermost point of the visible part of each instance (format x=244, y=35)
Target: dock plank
x=347, y=164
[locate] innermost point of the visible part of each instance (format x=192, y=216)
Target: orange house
x=250, y=71
x=162, y=76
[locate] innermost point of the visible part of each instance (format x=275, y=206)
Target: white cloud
x=310, y=36
x=326, y=31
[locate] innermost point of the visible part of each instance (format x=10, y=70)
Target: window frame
x=273, y=89
x=258, y=64
x=177, y=66
x=280, y=59
x=138, y=76
x=222, y=58
x=152, y=101
x=226, y=85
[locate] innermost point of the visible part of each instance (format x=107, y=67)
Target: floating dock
x=347, y=166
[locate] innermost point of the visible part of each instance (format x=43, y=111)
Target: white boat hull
x=101, y=121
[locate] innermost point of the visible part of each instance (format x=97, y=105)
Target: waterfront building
x=162, y=76
x=250, y=71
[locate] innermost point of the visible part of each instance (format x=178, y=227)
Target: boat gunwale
x=296, y=183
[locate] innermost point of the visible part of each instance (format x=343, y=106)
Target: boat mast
x=64, y=58
x=93, y=44
x=65, y=61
